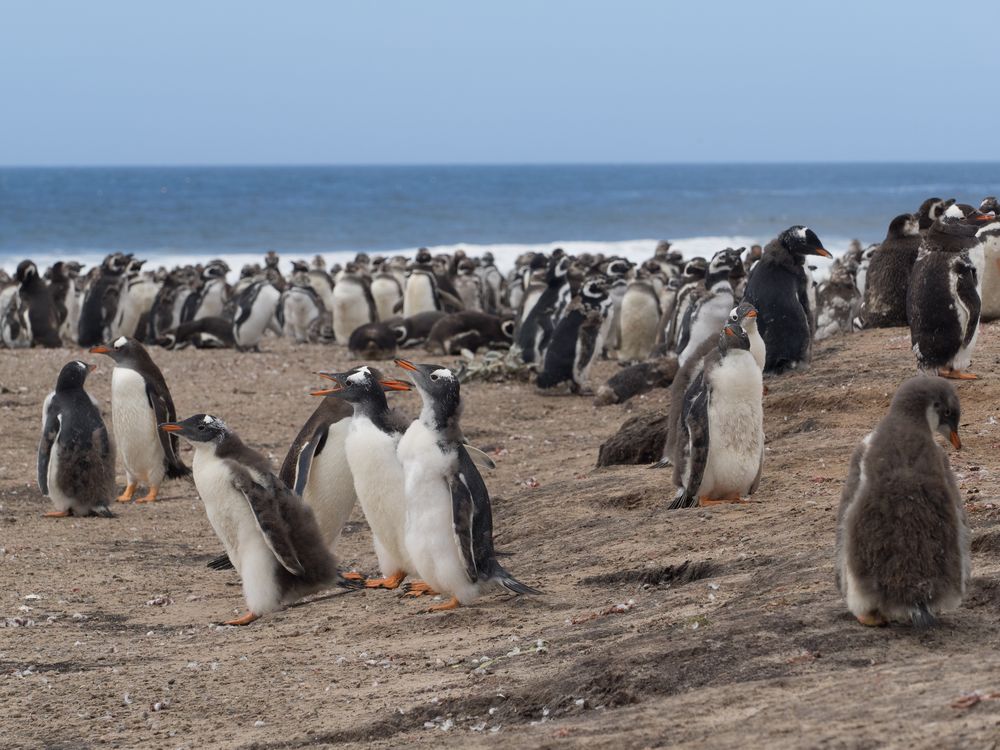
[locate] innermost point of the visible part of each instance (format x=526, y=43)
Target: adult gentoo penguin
x=902, y=538
x=719, y=451
x=779, y=288
x=449, y=519
x=270, y=535
x=889, y=270
x=140, y=400
x=42, y=313
x=76, y=459
x=370, y=447
x=943, y=301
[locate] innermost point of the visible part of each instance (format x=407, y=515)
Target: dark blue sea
x=233, y=212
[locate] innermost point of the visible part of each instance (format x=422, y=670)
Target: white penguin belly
x=419, y=295
x=300, y=311
x=386, y=295
x=991, y=279
x=135, y=428
x=639, y=320
x=234, y=523
x=430, y=535
x=963, y=358
x=378, y=481
x=350, y=310
x=261, y=313
x=329, y=491
x=736, y=432
x=60, y=499
x=709, y=319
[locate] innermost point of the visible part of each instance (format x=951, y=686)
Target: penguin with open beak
x=449, y=518
x=269, y=533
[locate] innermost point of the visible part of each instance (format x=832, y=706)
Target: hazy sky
x=386, y=81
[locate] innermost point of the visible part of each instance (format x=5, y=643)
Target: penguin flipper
x=309, y=451
x=696, y=422
x=479, y=458
x=222, y=562
x=969, y=296
x=50, y=431
x=163, y=408
x=462, y=512
x=266, y=509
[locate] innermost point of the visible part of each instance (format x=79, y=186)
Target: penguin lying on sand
x=76, y=459
x=140, y=400
x=719, y=449
x=270, y=535
x=449, y=519
x=902, y=538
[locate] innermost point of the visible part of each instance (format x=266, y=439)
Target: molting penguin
x=138, y=295
x=353, y=305
x=370, y=447
x=931, y=210
x=943, y=302
x=902, y=538
x=421, y=291
x=640, y=316
x=269, y=533
x=386, y=291
x=577, y=340
x=494, y=285
x=76, y=459
x=469, y=286
x=300, y=306
x=719, y=453
x=779, y=288
x=140, y=400
x=709, y=311
x=449, y=518
x=888, y=279
x=15, y=330
x=255, y=312
x=468, y=330
x=210, y=300
x=37, y=299
x=100, y=301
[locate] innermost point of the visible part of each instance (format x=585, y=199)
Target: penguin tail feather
x=178, y=470
x=351, y=584
x=682, y=500
x=663, y=463
x=222, y=562
x=103, y=511
x=921, y=616
x=513, y=585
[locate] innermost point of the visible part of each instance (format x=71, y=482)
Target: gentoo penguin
x=719, y=452
x=370, y=447
x=76, y=459
x=743, y=315
x=100, y=301
x=210, y=300
x=203, y=333
x=138, y=294
x=710, y=309
x=469, y=330
x=140, y=400
x=255, y=310
x=577, y=340
x=943, y=302
x=889, y=269
x=353, y=305
x=449, y=519
x=640, y=316
x=269, y=533
x=375, y=340
x=535, y=330
x=902, y=538
x=779, y=287
x=37, y=300
x=469, y=286
x=989, y=239
x=386, y=292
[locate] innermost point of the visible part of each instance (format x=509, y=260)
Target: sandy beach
x=704, y=627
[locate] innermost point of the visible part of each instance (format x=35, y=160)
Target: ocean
x=180, y=214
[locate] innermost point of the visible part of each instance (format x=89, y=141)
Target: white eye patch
x=120, y=342
x=801, y=232
x=954, y=212
x=442, y=373
x=359, y=376
x=208, y=419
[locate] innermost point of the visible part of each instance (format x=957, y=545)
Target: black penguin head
x=271, y=259
x=931, y=209
x=733, y=338
x=124, y=350
x=618, y=267
x=441, y=394
x=488, y=259
x=744, y=315
x=507, y=327
x=558, y=268
x=26, y=271
x=423, y=256
x=695, y=269
x=723, y=262
x=216, y=269
x=134, y=266
x=115, y=264
x=73, y=375
x=201, y=428
x=361, y=386
x=800, y=240
x=904, y=225
x=933, y=399
x=594, y=292
x=300, y=266
x=990, y=205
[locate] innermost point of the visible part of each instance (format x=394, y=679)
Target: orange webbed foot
x=957, y=374
x=126, y=496
x=352, y=575
x=418, y=588
x=150, y=496
x=452, y=603
x=57, y=514
x=872, y=620
x=244, y=620
x=389, y=582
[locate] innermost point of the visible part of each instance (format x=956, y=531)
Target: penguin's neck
x=376, y=411
x=445, y=426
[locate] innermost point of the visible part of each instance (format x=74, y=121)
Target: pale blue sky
x=538, y=81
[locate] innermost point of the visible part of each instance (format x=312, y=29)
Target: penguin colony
x=727, y=322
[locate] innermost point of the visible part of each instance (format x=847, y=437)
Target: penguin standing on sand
x=353, y=305
x=140, y=400
x=779, y=287
x=719, y=451
x=710, y=310
x=210, y=300
x=449, y=519
x=943, y=301
x=989, y=238
x=577, y=339
x=692, y=284
x=889, y=270
x=640, y=315
x=386, y=291
x=423, y=291
x=370, y=447
x=255, y=313
x=42, y=313
x=100, y=301
x=533, y=335
x=270, y=535
x=76, y=459
x=902, y=537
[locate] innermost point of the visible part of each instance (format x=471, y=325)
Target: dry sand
x=746, y=644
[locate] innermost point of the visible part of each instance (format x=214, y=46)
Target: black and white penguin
x=370, y=447
x=203, y=333
x=100, y=300
x=931, y=210
x=414, y=330
x=420, y=293
x=255, y=313
x=618, y=273
x=640, y=317
x=494, y=284
x=161, y=314
x=469, y=330
x=692, y=284
x=375, y=340
x=989, y=239
x=889, y=270
x=211, y=298
x=63, y=290
x=719, y=451
x=779, y=288
x=300, y=309
x=321, y=281
x=449, y=518
x=710, y=309
x=537, y=325
x=138, y=294
x=353, y=305
x=469, y=286
x=386, y=291
x=76, y=458
x=943, y=301
x=43, y=316
x=902, y=537
x=15, y=329
x=577, y=340
x=140, y=400
x=269, y=533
